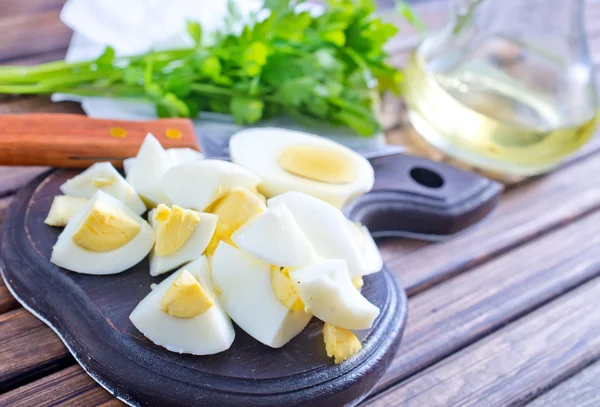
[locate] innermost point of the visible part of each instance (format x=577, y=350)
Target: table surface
x=505, y=314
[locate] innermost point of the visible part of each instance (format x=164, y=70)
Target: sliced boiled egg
x=368, y=247
x=184, y=155
x=104, y=177
x=198, y=184
x=275, y=238
x=151, y=162
x=177, y=156
x=103, y=237
x=327, y=291
x=288, y=160
x=340, y=343
x=183, y=315
x=326, y=229
x=243, y=286
x=63, y=208
x=181, y=236
x=234, y=210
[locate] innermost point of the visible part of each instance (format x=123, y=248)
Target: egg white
x=368, y=247
x=205, y=334
x=151, y=162
x=327, y=291
x=275, y=238
x=177, y=156
x=82, y=186
x=68, y=255
x=243, y=286
x=196, y=185
x=191, y=249
x=325, y=227
x=258, y=150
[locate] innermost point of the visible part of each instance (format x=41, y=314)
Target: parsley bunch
x=327, y=68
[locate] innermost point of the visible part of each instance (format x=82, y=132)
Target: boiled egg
x=275, y=238
x=340, y=344
x=198, y=184
x=103, y=237
x=181, y=236
x=368, y=247
x=326, y=229
x=151, y=162
x=183, y=155
x=104, y=177
x=327, y=292
x=234, y=210
x=183, y=315
x=288, y=160
x=63, y=208
x=243, y=286
x=177, y=156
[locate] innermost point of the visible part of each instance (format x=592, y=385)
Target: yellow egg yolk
x=358, y=282
x=318, y=164
x=103, y=181
x=340, y=343
x=105, y=228
x=173, y=227
x=284, y=289
x=233, y=210
x=186, y=298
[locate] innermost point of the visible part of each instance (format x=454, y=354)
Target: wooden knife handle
x=77, y=141
x=419, y=198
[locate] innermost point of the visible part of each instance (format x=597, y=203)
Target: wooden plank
x=523, y=214
x=37, y=58
x=514, y=364
x=70, y=386
x=11, y=8
x=28, y=349
x=459, y=312
x=38, y=104
x=28, y=34
x=582, y=390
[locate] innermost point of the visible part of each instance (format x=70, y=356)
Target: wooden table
x=505, y=314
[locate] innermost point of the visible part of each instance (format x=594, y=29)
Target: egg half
x=181, y=236
x=183, y=315
x=325, y=227
x=103, y=237
x=288, y=160
x=243, y=286
x=104, y=177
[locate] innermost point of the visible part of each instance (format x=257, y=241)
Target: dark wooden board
x=516, y=363
x=91, y=315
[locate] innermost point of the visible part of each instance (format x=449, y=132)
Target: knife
x=412, y=196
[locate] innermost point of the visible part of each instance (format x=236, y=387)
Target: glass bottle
x=506, y=85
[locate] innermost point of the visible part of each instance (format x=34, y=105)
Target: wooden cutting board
x=91, y=315
x=412, y=196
